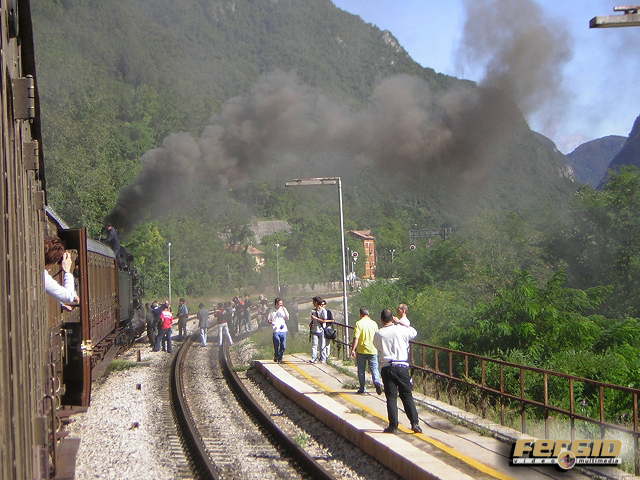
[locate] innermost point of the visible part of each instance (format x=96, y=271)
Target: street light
x=169, y=245
x=392, y=252
x=630, y=18
x=278, y=266
x=302, y=182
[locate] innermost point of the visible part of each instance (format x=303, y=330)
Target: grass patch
x=358, y=411
x=351, y=385
x=119, y=365
x=301, y=440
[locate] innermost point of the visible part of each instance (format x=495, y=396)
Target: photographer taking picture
x=278, y=320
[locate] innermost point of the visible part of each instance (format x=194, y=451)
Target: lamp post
x=278, y=266
x=630, y=18
x=302, y=182
x=169, y=245
x=393, y=250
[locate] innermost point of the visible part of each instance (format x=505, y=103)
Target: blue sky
x=599, y=81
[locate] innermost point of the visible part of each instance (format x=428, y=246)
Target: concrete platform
x=445, y=450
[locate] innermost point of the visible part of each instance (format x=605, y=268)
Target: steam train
x=48, y=352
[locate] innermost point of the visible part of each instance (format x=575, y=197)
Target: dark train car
x=108, y=307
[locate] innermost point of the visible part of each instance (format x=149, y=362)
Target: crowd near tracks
x=225, y=432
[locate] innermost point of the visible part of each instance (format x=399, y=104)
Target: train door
x=76, y=328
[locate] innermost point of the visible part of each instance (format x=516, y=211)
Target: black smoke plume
x=408, y=130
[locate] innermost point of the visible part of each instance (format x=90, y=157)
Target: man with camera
x=278, y=320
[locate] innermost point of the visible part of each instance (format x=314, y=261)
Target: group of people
x=231, y=317
x=386, y=350
x=159, y=320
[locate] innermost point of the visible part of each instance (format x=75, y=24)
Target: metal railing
x=506, y=385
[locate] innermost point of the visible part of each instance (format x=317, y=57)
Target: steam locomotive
x=48, y=353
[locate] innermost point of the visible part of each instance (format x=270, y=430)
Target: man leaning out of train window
x=54, y=253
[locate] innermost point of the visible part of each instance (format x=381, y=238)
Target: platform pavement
x=444, y=450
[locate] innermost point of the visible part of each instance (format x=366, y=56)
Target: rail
x=196, y=448
x=302, y=458
x=194, y=444
x=527, y=387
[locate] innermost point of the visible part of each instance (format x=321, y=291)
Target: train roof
x=92, y=245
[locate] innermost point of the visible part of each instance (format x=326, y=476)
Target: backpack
x=330, y=333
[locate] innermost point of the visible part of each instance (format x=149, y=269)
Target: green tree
x=536, y=320
x=601, y=245
x=148, y=248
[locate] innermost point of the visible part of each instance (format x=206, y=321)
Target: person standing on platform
x=316, y=327
x=392, y=343
x=278, y=321
x=364, y=351
x=402, y=319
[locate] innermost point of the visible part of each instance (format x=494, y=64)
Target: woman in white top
x=54, y=253
x=278, y=320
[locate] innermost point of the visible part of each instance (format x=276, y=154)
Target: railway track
x=225, y=433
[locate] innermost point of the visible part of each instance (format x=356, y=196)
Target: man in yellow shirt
x=363, y=350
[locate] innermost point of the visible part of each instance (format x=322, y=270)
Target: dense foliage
x=561, y=294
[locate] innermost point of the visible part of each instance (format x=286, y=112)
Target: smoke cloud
x=521, y=51
x=408, y=130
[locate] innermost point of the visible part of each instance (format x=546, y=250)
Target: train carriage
x=47, y=351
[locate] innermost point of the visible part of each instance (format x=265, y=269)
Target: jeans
x=361, y=362
x=397, y=379
x=318, y=338
x=164, y=335
x=247, y=321
x=182, y=327
x=223, y=329
x=203, y=336
x=279, y=345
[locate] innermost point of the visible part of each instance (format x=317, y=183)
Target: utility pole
x=629, y=18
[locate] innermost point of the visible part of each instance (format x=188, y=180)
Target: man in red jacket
x=164, y=329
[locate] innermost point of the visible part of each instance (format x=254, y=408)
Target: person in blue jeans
x=278, y=320
x=364, y=351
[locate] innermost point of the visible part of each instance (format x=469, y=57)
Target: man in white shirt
x=402, y=319
x=278, y=320
x=392, y=343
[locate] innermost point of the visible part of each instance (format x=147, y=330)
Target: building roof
x=251, y=250
x=363, y=234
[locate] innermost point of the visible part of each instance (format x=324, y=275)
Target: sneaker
x=378, y=388
x=390, y=429
x=416, y=428
x=360, y=390
x=312, y=361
